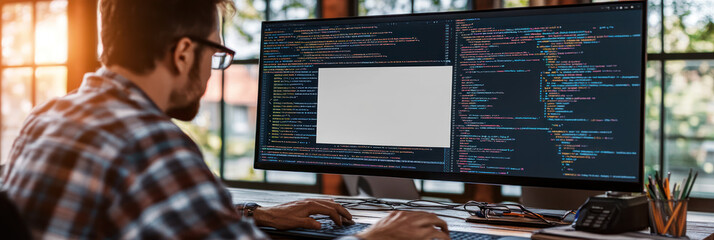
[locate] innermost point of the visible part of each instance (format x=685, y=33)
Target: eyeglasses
x=221, y=59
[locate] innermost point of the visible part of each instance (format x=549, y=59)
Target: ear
x=183, y=56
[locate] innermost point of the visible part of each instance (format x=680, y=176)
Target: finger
x=348, y=221
x=442, y=224
x=309, y=223
x=439, y=235
x=399, y=214
x=318, y=199
x=319, y=208
x=430, y=219
x=340, y=209
x=392, y=217
x=331, y=202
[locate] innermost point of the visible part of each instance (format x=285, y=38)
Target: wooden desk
x=699, y=225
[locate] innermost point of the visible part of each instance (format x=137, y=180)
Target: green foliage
x=689, y=27
x=244, y=13
x=379, y=7
x=208, y=141
x=653, y=100
x=689, y=121
x=515, y=3
x=689, y=98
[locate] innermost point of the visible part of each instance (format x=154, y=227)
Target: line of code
x=550, y=96
x=292, y=57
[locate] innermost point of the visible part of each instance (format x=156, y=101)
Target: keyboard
x=330, y=230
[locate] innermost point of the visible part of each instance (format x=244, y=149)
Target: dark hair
x=135, y=33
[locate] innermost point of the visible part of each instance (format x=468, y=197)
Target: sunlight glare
x=51, y=32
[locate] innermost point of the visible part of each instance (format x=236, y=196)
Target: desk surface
x=699, y=225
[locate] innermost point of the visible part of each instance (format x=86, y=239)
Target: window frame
x=263, y=184
x=697, y=204
x=470, y=190
x=353, y=6
x=701, y=204
x=34, y=65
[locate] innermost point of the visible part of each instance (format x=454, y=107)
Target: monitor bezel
x=469, y=177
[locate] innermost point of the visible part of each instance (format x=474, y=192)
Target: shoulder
x=126, y=132
x=150, y=139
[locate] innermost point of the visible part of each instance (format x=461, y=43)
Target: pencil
x=682, y=223
x=666, y=189
x=681, y=193
x=668, y=204
x=659, y=225
x=674, y=216
x=692, y=184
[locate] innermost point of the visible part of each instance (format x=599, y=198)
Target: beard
x=185, y=113
x=190, y=98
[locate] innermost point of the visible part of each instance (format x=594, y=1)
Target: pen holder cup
x=668, y=217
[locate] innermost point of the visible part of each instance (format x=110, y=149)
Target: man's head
x=141, y=35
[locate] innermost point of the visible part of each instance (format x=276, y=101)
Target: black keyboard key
x=330, y=230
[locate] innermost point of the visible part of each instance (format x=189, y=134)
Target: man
x=107, y=162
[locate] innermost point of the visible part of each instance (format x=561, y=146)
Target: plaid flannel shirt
x=106, y=163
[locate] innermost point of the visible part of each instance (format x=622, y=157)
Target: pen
x=653, y=190
x=692, y=184
x=686, y=185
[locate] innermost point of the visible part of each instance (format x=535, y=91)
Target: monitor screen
x=549, y=96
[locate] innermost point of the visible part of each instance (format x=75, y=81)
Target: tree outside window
x=225, y=126
x=679, y=111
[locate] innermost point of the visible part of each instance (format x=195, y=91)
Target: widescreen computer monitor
x=547, y=96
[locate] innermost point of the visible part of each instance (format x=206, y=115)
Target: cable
x=485, y=210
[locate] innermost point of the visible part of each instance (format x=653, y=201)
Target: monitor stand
x=381, y=187
x=532, y=197
x=552, y=202
x=404, y=188
x=555, y=198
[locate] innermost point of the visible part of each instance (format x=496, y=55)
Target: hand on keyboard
x=297, y=214
x=407, y=225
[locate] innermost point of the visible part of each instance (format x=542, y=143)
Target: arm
x=399, y=225
x=296, y=214
x=171, y=193
x=404, y=225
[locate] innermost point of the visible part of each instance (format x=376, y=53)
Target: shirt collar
x=105, y=79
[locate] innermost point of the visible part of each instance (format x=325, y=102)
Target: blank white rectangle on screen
x=385, y=106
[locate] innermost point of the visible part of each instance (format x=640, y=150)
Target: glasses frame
x=220, y=47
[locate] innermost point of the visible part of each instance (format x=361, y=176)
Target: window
x=515, y=3
x=381, y=7
x=679, y=91
x=205, y=128
x=684, y=65
x=679, y=111
x=421, y=6
x=679, y=105
x=241, y=94
x=225, y=126
x=34, y=58
x=242, y=32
